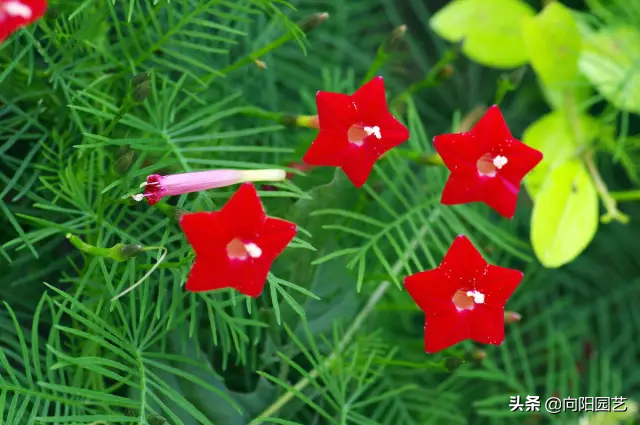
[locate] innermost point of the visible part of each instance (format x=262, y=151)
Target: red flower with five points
x=463, y=298
x=487, y=164
x=355, y=131
x=15, y=14
x=235, y=246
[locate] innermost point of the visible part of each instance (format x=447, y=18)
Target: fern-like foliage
x=334, y=339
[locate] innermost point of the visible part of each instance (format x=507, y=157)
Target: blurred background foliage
x=333, y=339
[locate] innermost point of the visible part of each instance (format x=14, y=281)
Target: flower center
x=358, y=132
x=488, y=165
x=15, y=8
x=466, y=300
x=238, y=250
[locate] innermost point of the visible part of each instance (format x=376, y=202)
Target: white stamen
x=373, y=130
x=143, y=184
x=499, y=161
x=477, y=296
x=139, y=197
x=15, y=8
x=253, y=250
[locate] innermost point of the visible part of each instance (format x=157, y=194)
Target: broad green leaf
x=553, y=136
x=581, y=92
x=490, y=30
x=565, y=215
x=610, y=61
x=339, y=300
x=553, y=38
x=195, y=384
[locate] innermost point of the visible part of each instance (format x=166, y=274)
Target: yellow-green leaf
x=581, y=91
x=565, y=215
x=491, y=30
x=553, y=136
x=613, y=418
x=609, y=60
x=554, y=43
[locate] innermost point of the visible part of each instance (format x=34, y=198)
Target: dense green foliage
x=77, y=137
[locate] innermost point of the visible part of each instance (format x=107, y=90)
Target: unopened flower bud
x=446, y=72
x=124, y=158
x=119, y=252
x=395, y=40
x=452, y=363
x=141, y=91
x=300, y=166
x=515, y=77
x=428, y=159
x=139, y=79
x=123, y=252
x=511, y=317
x=154, y=419
x=309, y=121
x=309, y=23
x=156, y=186
x=478, y=354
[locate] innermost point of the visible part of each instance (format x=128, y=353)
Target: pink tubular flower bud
x=309, y=121
x=511, y=317
x=156, y=187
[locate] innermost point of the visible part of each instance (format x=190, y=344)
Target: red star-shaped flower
x=463, y=298
x=15, y=14
x=487, y=164
x=355, y=131
x=235, y=246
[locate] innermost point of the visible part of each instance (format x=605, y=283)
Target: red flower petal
x=487, y=325
x=395, y=133
x=328, y=150
x=463, y=298
x=498, y=285
x=502, y=196
x=435, y=300
x=243, y=213
x=491, y=128
x=355, y=131
x=459, y=151
x=370, y=100
x=201, y=228
x=444, y=330
x=358, y=166
x=335, y=111
x=487, y=164
x=203, y=277
x=236, y=246
x=463, y=262
x=15, y=14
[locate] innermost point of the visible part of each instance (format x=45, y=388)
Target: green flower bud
x=395, y=40
x=156, y=419
x=452, y=363
x=139, y=79
x=310, y=23
x=141, y=91
x=124, y=158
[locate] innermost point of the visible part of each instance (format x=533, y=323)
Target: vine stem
x=351, y=331
x=613, y=213
x=631, y=195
